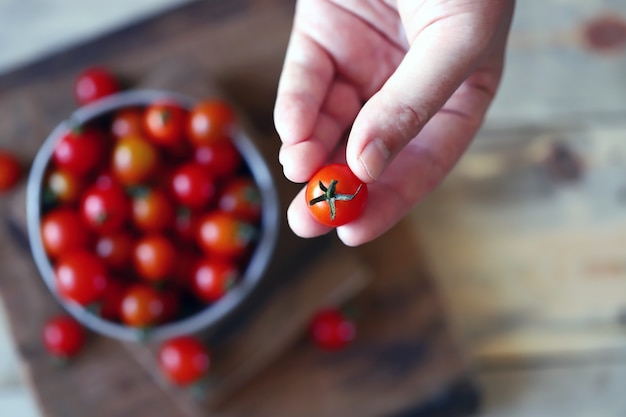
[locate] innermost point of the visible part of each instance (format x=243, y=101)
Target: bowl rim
x=210, y=316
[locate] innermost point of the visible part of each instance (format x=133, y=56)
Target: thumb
x=440, y=58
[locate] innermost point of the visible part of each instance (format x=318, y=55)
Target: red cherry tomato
x=116, y=249
x=331, y=330
x=81, y=151
x=222, y=159
x=141, y=306
x=61, y=231
x=93, y=84
x=241, y=197
x=105, y=208
x=134, y=160
x=152, y=209
x=212, y=278
x=64, y=186
x=10, y=171
x=193, y=186
x=63, y=336
x=81, y=276
x=164, y=123
x=335, y=196
x=210, y=121
x=171, y=304
x=186, y=224
x=127, y=122
x=111, y=304
x=184, y=360
x=224, y=235
x=155, y=257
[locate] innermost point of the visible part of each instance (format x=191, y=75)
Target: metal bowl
x=214, y=313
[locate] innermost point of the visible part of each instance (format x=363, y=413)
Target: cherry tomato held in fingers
x=210, y=121
x=93, y=84
x=213, y=278
x=184, y=360
x=63, y=336
x=81, y=276
x=105, y=208
x=242, y=197
x=62, y=230
x=164, y=123
x=335, y=196
x=222, y=234
x=10, y=171
x=141, y=306
x=80, y=151
x=193, y=186
x=134, y=160
x=331, y=330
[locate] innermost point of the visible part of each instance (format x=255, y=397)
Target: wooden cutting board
x=405, y=361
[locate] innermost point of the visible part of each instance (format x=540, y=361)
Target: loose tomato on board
x=164, y=123
x=10, y=171
x=105, y=208
x=210, y=122
x=331, y=330
x=80, y=151
x=80, y=276
x=213, y=278
x=63, y=336
x=62, y=230
x=223, y=234
x=93, y=84
x=335, y=196
x=134, y=160
x=184, y=360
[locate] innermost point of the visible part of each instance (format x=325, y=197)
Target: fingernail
x=374, y=158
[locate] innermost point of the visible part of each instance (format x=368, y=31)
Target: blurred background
x=526, y=237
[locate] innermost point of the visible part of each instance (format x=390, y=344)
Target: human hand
x=410, y=80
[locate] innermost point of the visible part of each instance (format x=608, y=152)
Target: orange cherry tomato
x=164, y=123
x=141, y=306
x=64, y=186
x=224, y=235
x=210, y=122
x=242, y=197
x=153, y=210
x=155, y=257
x=135, y=160
x=127, y=122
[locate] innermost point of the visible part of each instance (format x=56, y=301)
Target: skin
x=408, y=82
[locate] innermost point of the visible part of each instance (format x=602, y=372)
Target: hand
x=410, y=80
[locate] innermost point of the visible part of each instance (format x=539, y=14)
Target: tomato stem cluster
x=330, y=196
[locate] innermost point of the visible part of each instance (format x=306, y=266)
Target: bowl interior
x=212, y=314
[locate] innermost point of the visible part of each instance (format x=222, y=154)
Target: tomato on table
x=81, y=276
x=134, y=160
x=164, y=123
x=210, y=121
x=93, y=84
x=155, y=257
x=105, y=207
x=10, y=170
x=223, y=234
x=62, y=230
x=213, y=278
x=335, y=196
x=184, y=360
x=63, y=336
x=193, y=186
x=141, y=306
x=80, y=151
x=330, y=329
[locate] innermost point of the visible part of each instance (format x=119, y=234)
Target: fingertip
x=302, y=160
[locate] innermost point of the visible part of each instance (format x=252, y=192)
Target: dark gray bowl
x=208, y=317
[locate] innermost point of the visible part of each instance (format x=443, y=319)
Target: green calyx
x=330, y=196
